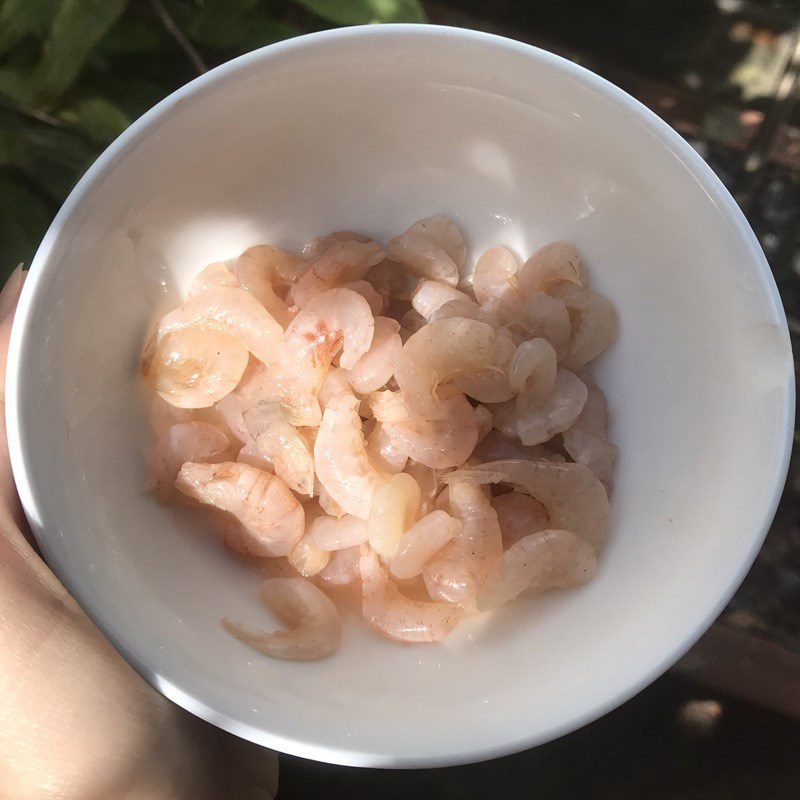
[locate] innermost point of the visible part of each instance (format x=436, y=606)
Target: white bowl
x=371, y=128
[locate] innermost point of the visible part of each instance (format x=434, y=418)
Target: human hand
x=76, y=722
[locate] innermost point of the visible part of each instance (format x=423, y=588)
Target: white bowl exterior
x=373, y=128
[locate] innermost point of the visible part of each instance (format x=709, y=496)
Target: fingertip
x=9, y=296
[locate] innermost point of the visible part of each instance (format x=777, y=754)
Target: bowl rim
x=25, y=475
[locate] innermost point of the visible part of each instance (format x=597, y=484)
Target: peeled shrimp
x=194, y=367
x=445, y=233
x=438, y=352
x=552, y=266
x=466, y=308
x=585, y=439
x=543, y=419
x=494, y=275
x=283, y=444
x=385, y=406
x=383, y=453
x=496, y=446
x=543, y=560
x=326, y=502
x=329, y=533
x=185, y=441
x=256, y=269
x=342, y=569
x=429, y=296
x=315, y=247
x=307, y=558
x=423, y=257
x=396, y=616
x=575, y=500
x=369, y=293
x=336, y=381
x=216, y=274
x=421, y=542
x=315, y=625
x=336, y=318
x=393, y=511
x=461, y=568
x=484, y=419
x=547, y=318
x=595, y=325
x=342, y=464
x=519, y=515
x=412, y=321
x=250, y=454
x=428, y=481
x=532, y=371
x=272, y=518
x=341, y=263
x=229, y=310
x=444, y=439
x=392, y=280
x=491, y=385
x=377, y=365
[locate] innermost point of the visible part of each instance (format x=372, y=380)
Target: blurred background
x=725, y=721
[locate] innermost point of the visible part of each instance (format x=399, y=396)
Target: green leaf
x=221, y=23
x=132, y=36
x=24, y=217
x=359, y=12
x=265, y=31
x=97, y=117
x=21, y=18
x=77, y=28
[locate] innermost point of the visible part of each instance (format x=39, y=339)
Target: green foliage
x=75, y=73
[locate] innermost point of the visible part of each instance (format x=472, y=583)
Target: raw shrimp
x=398, y=617
x=216, y=274
x=342, y=464
x=377, y=365
x=342, y=569
x=595, y=325
x=444, y=439
x=497, y=446
x=194, y=367
x=412, y=321
x=423, y=257
x=519, y=515
x=428, y=481
x=272, y=518
x=491, y=385
x=466, y=308
x=445, y=233
x=257, y=268
x=546, y=317
x=532, y=371
x=543, y=419
x=250, y=454
x=329, y=533
x=585, y=440
x=421, y=542
x=494, y=275
x=336, y=381
x=336, y=318
x=369, y=293
x=315, y=247
x=230, y=310
x=575, y=500
x=307, y=558
x=341, y=263
x=383, y=453
x=543, y=560
x=315, y=625
x=462, y=567
x=385, y=406
x=429, y=296
x=393, y=511
x=438, y=352
x=185, y=441
x=550, y=267
x=284, y=445
x=484, y=419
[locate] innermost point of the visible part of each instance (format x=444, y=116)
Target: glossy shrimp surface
x=401, y=421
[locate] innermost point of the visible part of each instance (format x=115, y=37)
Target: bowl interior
x=372, y=129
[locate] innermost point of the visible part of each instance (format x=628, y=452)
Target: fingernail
x=11, y=291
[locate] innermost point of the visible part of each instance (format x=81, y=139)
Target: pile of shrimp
x=373, y=425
